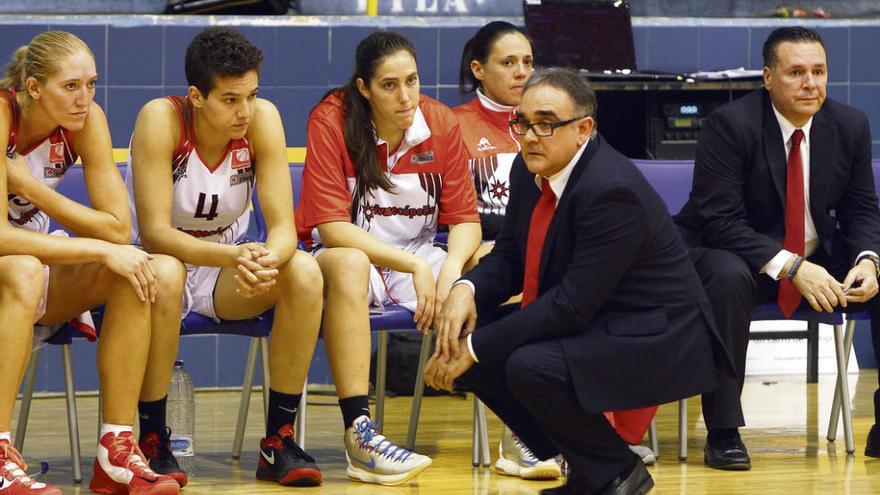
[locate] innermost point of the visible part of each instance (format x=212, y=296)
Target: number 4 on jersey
x=200, y=208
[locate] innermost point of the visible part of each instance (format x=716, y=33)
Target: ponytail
x=12, y=79
x=467, y=82
x=478, y=48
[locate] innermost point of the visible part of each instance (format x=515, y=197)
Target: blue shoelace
x=366, y=432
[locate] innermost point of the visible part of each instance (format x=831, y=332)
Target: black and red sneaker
x=282, y=460
x=157, y=447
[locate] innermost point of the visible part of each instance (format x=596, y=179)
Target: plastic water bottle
x=182, y=417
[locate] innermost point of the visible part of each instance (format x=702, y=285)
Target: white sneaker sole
x=542, y=471
x=361, y=475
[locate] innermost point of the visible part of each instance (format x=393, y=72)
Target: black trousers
x=534, y=396
x=734, y=290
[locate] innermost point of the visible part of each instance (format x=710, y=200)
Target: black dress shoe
x=872, y=448
x=638, y=482
x=730, y=454
x=572, y=486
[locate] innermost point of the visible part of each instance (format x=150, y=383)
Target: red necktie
x=632, y=424
x=789, y=295
x=541, y=217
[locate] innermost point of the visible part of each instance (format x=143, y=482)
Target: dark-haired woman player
x=385, y=165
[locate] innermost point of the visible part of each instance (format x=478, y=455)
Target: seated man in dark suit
x=613, y=313
x=782, y=209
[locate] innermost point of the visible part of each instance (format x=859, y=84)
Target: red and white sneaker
x=121, y=468
x=13, y=478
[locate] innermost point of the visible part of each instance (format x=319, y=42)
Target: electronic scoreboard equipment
x=675, y=126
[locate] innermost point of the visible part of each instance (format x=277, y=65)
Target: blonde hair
x=40, y=58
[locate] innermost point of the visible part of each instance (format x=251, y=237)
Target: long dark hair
x=358, y=129
x=478, y=48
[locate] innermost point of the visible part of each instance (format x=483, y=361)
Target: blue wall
x=140, y=58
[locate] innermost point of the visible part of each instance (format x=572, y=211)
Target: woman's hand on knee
x=133, y=265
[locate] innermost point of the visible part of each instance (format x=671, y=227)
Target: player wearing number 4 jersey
x=195, y=161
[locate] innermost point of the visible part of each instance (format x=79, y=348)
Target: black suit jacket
x=617, y=287
x=738, y=198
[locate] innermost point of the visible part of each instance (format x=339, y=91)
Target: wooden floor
x=786, y=436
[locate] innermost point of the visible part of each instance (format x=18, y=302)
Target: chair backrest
x=671, y=179
x=73, y=186
x=296, y=176
x=876, y=166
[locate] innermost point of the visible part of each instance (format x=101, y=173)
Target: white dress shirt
x=774, y=267
x=557, y=183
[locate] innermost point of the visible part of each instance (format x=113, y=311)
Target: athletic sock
x=6, y=435
x=282, y=411
x=115, y=429
x=353, y=408
x=152, y=416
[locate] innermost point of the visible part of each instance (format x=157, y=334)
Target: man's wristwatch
x=874, y=260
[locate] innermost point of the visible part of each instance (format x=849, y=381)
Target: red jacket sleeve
x=325, y=195
x=458, y=199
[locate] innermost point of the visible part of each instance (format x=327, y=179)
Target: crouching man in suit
x=613, y=314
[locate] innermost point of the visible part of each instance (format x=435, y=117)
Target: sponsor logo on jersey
x=179, y=171
x=24, y=217
x=419, y=158
x=408, y=211
x=53, y=172
x=240, y=178
x=56, y=153
x=498, y=189
x=241, y=158
x=485, y=145
x=205, y=233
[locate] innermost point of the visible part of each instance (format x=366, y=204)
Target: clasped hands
x=455, y=321
x=257, y=269
x=823, y=292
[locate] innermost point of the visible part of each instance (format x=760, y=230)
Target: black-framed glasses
x=541, y=129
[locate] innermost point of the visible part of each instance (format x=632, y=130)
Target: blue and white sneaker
x=372, y=458
x=645, y=453
x=515, y=459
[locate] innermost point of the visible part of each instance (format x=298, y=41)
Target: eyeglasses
x=541, y=129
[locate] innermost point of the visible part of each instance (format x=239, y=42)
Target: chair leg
x=485, y=456
x=26, y=398
x=301, y=417
x=245, y=402
x=418, y=391
x=652, y=437
x=381, y=369
x=72, y=420
x=843, y=382
x=812, y=352
x=683, y=429
x=476, y=448
x=267, y=379
x=835, y=404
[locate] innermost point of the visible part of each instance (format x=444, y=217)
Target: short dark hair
x=570, y=81
x=219, y=51
x=792, y=34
